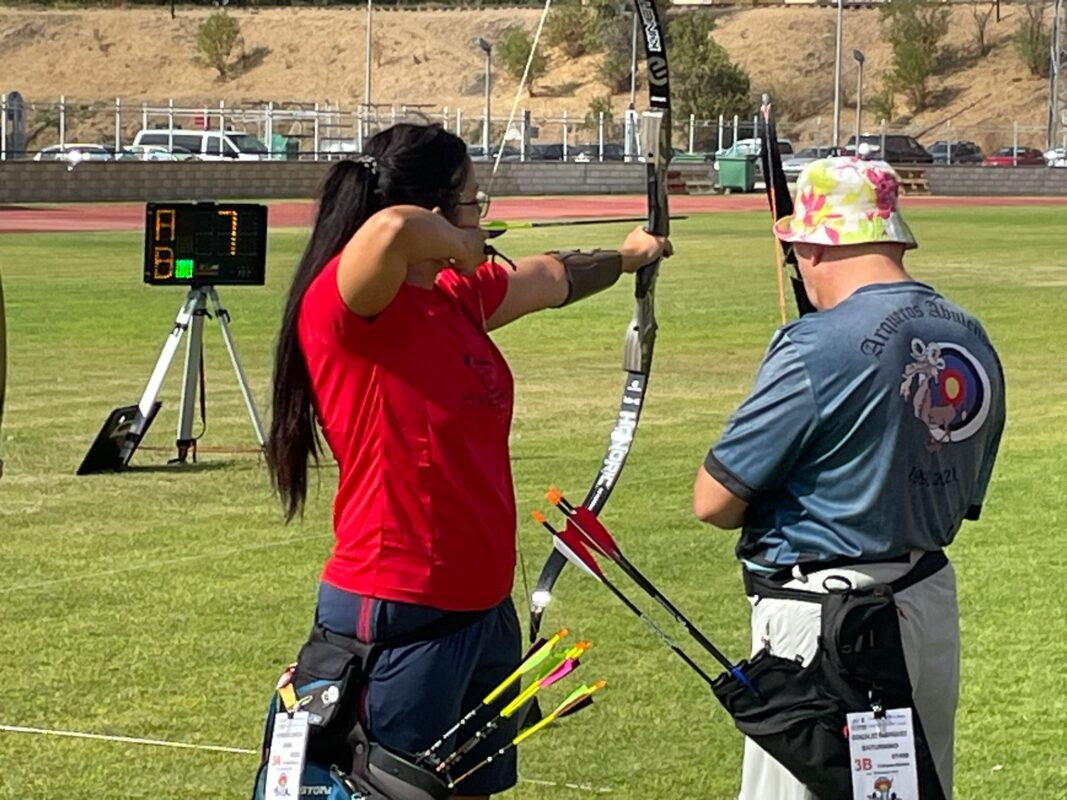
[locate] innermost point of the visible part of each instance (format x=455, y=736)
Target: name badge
x=883, y=756
x=288, y=743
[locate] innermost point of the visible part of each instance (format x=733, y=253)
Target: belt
x=773, y=585
x=807, y=567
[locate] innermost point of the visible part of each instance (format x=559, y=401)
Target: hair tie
x=368, y=162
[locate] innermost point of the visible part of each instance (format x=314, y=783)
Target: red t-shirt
x=415, y=406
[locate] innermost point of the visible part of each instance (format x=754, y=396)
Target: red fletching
x=569, y=542
x=595, y=532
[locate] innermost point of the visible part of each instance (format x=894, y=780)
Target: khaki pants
x=929, y=628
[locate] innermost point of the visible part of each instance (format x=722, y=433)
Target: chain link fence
x=54, y=128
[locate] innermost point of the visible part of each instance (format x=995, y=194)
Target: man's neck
x=840, y=278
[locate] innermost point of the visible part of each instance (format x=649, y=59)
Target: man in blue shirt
x=868, y=438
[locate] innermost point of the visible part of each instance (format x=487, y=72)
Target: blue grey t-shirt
x=871, y=430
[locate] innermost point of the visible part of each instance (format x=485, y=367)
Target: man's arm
x=715, y=504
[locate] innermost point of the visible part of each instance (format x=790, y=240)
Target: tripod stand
x=191, y=318
x=126, y=426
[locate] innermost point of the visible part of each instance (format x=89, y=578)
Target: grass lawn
x=162, y=602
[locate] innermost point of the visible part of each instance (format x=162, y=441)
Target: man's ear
x=816, y=253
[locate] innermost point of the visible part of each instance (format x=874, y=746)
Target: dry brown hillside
x=427, y=57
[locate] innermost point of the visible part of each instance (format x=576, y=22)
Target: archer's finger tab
x=588, y=273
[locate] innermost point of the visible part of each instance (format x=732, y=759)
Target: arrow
x=535, y=656
x=499, y=227
x=570, y=544
x=593, y=531
x=566, y=666
x=580, y=698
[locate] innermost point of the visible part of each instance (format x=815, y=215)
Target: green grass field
x=162, y=602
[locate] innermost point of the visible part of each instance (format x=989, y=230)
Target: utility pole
x=366, y=66
x=835, y=133
x=1056, y=58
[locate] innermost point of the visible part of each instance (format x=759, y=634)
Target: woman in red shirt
x=384, y=344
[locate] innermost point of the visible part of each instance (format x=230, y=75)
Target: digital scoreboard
x=196, y=244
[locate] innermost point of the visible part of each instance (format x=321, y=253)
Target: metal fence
x=318, y=131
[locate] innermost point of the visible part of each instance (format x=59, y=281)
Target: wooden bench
x=913, y=180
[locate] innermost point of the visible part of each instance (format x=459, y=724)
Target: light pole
x=633, y=58
x=858, y=55
x=487, y=48
x=366, y=66
x=835, y=132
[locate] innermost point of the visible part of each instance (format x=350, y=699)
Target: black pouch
x=800, y=715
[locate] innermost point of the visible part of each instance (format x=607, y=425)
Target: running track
x=130, y=217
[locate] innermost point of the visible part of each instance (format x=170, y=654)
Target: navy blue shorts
x=417, y=691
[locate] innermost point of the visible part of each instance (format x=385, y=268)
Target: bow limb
x=781, y=204
x=655, y=141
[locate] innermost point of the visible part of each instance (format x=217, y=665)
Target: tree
x=571, y=27
x=981, y=15
x=704, y=81
x=914, y=28
x=215, y=39
x=1032, y=40
x=514, y=48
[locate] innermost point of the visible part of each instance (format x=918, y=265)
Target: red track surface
x=129, y=217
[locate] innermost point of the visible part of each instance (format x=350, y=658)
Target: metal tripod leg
x=193, y=298
x=223, y=316
x=191, y=375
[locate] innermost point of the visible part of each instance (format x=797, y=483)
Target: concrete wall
x=53, y=182
x=978, y=181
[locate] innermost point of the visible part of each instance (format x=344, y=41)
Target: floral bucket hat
x=846, y=200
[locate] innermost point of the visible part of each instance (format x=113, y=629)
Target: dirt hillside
x=428, y=58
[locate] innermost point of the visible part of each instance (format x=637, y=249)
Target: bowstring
x=518, y=96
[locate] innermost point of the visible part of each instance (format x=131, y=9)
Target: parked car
x=794, y=165
x=545, y=152
x=74, y=153
x=1056, y=157
x=152, y=152
x=1015, y=157
x=212, y=145
x=953, y=152
x=899, y=148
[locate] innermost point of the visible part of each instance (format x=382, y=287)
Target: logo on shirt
x=951, y=394
x=490, y=395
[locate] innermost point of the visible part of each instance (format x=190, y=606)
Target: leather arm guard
x=588, y=273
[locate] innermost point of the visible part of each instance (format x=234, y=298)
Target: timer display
x=192, y=244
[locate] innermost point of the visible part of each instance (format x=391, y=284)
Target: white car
x=74, y=153
x=1057, y=157
x=152, y=152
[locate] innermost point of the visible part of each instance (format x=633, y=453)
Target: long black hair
x=421, y=165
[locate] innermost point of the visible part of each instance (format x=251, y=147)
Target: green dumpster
x=736, y=172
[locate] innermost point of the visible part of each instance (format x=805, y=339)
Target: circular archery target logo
x=962, y=385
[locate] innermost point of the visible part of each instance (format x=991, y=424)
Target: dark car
x=899, y=148
x=953, y=152
x=1015, y=157
x=545, y=152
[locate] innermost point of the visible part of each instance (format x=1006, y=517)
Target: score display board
x=194, y=244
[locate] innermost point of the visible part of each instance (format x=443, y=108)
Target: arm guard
x=588, y=273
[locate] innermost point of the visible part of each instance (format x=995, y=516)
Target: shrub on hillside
x=1032, y=40
x=215, y=39
x=704, y=81
x=514, y=49
x=981, y=14
x=914, y=28
x=571, y=28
